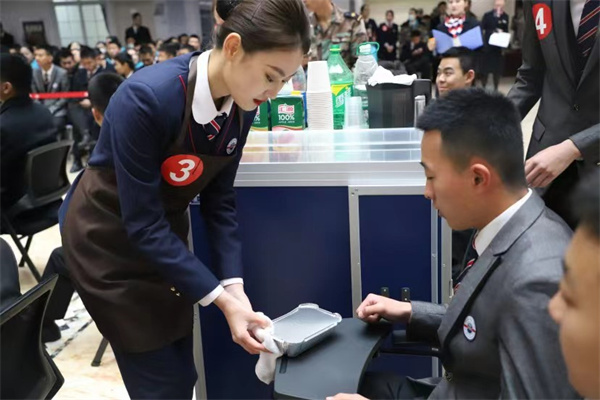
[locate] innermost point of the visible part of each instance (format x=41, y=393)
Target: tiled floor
x=104, y=382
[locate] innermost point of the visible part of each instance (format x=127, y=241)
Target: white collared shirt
x=485, y=236
x=203, y=105
x=49, y=72
x=204, y=111
x=576, y=11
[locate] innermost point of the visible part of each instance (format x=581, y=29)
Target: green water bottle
x=342, y=81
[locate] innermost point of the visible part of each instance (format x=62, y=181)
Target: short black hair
x=145, y=49
x=193, y=35
x=64, y=53
x=135, y=15
x=101, y=88
x=586, y=202
x=442, y=3
x=415, y=33
x=48, y=49
x=88, y=52
x=115, y=40
x=389, y=12
x=15, y=69
x=466, y=58
x=170, y=48
x=362, y=8
x=477, y=123
x=182, y=35
x=125, y=58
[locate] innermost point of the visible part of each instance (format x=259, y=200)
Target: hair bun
x=226, y=7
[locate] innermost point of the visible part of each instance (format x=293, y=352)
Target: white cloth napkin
x=383, y=75
x=265, y=367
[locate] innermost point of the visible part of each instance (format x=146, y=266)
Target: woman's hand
x=240, y=317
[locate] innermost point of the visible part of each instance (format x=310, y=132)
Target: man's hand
x=375, y=307
x=240, y=318
x=237, y=291
x=417, y=52
x=85, y=103
x=346, y=396
x=545, y=166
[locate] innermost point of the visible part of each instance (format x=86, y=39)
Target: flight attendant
x=173, y=131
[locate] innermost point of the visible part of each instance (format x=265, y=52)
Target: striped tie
x=214, y=127
x=471, y=256
x=588, y=27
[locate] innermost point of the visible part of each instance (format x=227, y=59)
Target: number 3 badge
x=182, y=170
x=542, y=16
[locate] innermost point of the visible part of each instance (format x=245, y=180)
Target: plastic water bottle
x=299, y=80
x=342, y=82
x=365, y=67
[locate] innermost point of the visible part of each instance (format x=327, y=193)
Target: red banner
x=58, y=95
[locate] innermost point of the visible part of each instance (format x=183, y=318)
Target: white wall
x=14, y=12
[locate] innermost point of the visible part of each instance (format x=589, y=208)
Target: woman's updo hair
x=265, y=24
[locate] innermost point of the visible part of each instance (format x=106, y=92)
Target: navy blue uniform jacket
x=142, y=121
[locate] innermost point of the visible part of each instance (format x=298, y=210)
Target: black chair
x=46, y=183
x=27, y=371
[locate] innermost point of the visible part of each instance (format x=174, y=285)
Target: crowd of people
x=70, y=69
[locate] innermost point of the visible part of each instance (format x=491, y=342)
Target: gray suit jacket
x=570, y=99
x=515, y=352
x=59, y=82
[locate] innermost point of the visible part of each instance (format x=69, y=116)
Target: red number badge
x=542, y=16
x=181, y=170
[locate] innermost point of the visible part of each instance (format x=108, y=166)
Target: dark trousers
x=558, y=195
x=166, y=373
x=389, y=386
x=63, y=291
x=81, y=126
x=60, y=123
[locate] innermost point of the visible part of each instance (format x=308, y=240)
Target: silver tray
x=303, y=327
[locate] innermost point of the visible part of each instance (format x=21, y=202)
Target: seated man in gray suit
x=496, y=336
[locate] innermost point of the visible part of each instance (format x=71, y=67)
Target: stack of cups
x=318, y=97
x=354, y=116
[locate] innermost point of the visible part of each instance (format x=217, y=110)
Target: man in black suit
x=561, y=56
x=139, y=33
x=81, y=114
x=416, y=56
x=493, y=63
x=24, y=126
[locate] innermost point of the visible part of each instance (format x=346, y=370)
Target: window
x=80, y=21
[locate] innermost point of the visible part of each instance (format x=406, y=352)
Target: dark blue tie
x=588, y=27
x=213, y=128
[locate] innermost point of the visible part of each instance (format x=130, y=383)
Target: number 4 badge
x=542, y=16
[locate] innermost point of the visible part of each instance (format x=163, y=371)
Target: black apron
x=134, y=307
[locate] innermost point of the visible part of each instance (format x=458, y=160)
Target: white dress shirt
x=204, y=111
x=576, y=11
x=485, y=236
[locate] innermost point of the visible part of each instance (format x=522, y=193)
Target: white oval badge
x=469, y=328
x=231, y=146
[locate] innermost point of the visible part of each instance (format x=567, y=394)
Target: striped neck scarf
x=455, y=25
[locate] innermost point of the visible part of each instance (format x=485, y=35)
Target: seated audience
x=576, y=306
x=195, y=42
x=24, y=125
x=496, y=336
x=147, y=55
x=167, y=51
x=124, y=65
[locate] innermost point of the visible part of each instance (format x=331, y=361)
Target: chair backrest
x=27, y=371
x=46, y=172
